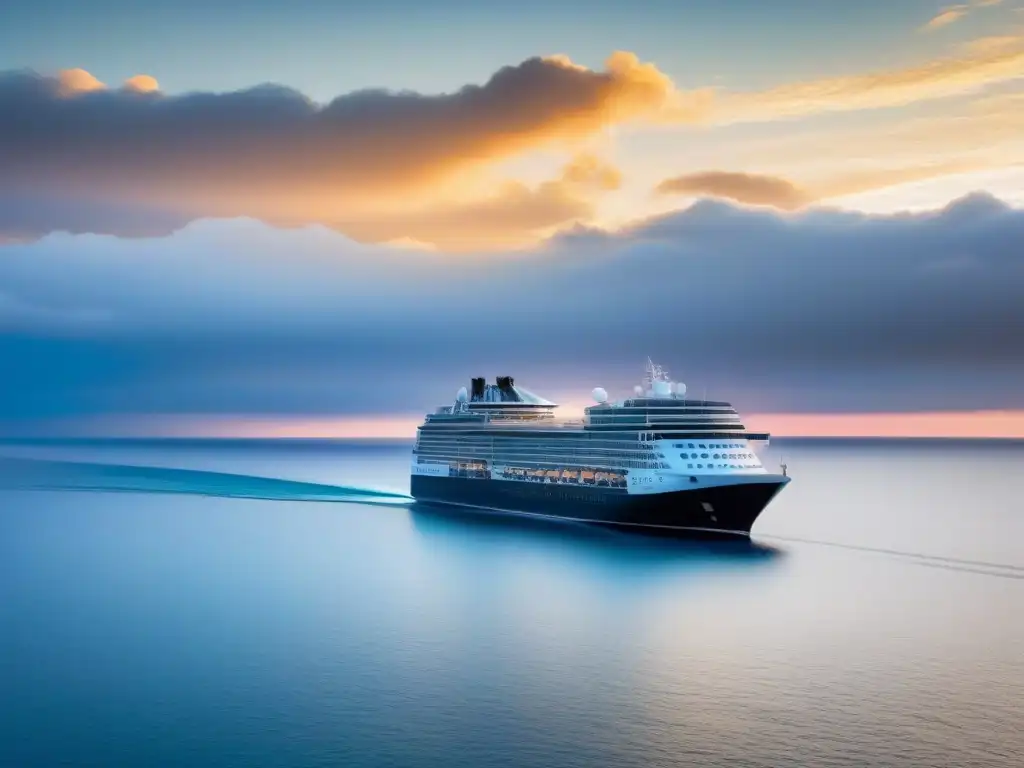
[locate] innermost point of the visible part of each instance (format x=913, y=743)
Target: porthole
x=703, y=455
x=715, y=456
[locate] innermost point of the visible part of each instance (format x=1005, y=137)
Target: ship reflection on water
x=442, y=521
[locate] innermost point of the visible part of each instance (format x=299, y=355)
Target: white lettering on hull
x=430, y=468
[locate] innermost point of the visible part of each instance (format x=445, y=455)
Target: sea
x=283, y=604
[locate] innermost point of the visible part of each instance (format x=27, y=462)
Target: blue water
x=282, y=604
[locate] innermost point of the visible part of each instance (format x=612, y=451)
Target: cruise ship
x=656, y=460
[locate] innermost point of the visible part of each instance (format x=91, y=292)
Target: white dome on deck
x=600, y=395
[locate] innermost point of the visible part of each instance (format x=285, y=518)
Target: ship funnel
x=478, y=385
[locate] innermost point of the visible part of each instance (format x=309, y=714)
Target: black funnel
x=477, y=391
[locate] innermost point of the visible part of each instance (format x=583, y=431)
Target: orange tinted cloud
x=142, y=84
x=515, y=215
x=757, y=189
x=946, y=16
x=953, y=13
x=222, y=146
x=969, y=71
x=749, y=188
x=72, y=81
x=271, y=153
x=367, y=159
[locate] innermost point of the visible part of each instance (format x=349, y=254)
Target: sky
x=319, y=218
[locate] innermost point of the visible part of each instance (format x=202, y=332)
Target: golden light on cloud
x=749, y=188
x=781, y=193
x=72, y=81
x=410, y=168
x=940, y=78
x=953, y=13
x=946, y=16
x=142, y=84
x=991, y=44
x=511, y=215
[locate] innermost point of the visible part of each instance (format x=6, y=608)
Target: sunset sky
x=318, y=217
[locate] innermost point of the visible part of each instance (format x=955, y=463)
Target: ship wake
x=47, y=475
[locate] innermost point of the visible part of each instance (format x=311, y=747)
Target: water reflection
x=434, y=521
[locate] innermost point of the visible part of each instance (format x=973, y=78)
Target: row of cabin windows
x=719, y=456
x=541, y=451
x=720, y=466
x=702, y=445
x=635, y=452
x=633, y=449
x=541, y=459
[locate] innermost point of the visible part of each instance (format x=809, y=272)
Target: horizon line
x=977, y=424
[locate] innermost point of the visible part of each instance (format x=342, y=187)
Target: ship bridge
x=675, y=416
x=660, y=408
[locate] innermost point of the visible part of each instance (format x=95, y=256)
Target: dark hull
x=727, y=509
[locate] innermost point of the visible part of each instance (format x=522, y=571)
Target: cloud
x=981, y=134
x=270, y=152
x=72, y=81
x=947, y=16
x=27, y=216
x=514, y=216
x=954, y=13
x=816, y=311
x=371, y=157
x=142, y=84
x=777, y=192
x=750, y=188
x=991, y=44
x=940, y=78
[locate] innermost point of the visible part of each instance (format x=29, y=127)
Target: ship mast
x=653, y=372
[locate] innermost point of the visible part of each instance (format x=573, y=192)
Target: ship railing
x=538, y=423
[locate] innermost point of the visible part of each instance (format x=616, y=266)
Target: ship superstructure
x=655, y=459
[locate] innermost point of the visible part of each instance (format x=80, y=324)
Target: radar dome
x=462, y=395
x=662, y=388
x=638, y=390
x=680, y=389
x=600, y=395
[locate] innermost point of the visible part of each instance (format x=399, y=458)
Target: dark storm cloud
x=23, y=217
x=270, y=152
x=825, y=311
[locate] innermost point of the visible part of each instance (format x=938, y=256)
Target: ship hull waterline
x=721, y=510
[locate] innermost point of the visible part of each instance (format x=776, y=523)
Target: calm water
x=287, y=618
